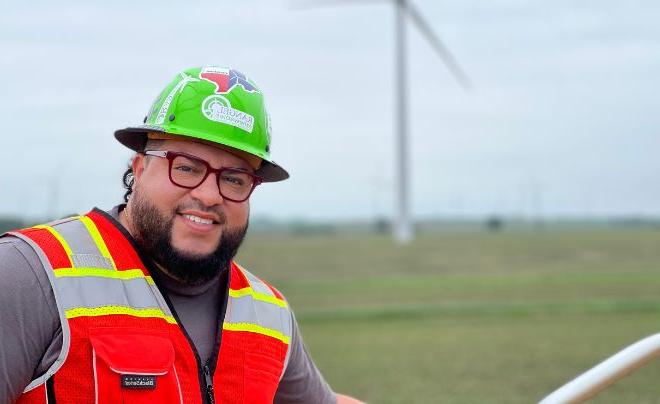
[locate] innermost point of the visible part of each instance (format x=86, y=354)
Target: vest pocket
x=134, y=366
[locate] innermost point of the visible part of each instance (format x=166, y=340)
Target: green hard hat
x=213, y=104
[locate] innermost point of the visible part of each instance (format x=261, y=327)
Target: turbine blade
x=437, y=44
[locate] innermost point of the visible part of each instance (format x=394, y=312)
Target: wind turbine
x=403, y=229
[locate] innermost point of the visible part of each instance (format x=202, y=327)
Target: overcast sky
x=563, y=119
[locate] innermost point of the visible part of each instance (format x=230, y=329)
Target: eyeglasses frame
x=171, y=155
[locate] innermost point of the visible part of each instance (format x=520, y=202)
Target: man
x=144, y=304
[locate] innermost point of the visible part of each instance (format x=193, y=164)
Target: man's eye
x=233, y=181
x=186, y=169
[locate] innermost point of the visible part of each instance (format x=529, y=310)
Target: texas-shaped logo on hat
x=225, y=79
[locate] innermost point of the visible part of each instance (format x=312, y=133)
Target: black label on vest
x=138, y=382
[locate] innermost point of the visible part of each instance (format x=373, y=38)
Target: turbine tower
x=403, y=227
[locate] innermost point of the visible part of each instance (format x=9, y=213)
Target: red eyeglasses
x=186, y=171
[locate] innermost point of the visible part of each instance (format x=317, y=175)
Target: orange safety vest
x=123, y=344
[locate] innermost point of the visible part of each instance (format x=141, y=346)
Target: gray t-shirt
x=31, y=334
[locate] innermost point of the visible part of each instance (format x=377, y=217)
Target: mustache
x=220, y=215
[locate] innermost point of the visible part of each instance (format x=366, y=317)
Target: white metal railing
x=606, y=373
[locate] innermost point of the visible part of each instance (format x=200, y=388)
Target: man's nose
x=207, y=192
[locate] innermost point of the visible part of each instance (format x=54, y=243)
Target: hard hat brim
x=135, y=138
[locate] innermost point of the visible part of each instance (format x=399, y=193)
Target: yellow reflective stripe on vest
x=256, y=309
x=103, y=273
x=248, y=327
x=245, y=313
x=106, y=310
x=81, y=242
x=96, y=236
x=59, y=238
x=257, y=296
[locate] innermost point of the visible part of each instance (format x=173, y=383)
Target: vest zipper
x=209, y=384
x=201, y=370
x=213, y=360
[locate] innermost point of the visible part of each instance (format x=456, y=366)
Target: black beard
x=153, y=233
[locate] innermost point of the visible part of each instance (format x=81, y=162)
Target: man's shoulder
x=19, y=263
x=18, y=241
x=16, y=251
x=24, y=283
x=8, y=239
x=30, y=336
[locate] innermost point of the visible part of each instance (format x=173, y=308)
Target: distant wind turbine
x=403, y=230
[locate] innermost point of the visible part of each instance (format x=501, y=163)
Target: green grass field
x=469, y=317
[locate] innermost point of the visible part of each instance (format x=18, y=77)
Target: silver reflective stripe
x=288, y=350
x=267, y=315
x=91, y=261
x=256, y=283
x=84, y=251
x=246, y=309
x=63, y=220
x=99, y=291
x=160, y=300
x=96, y=291
x=66, y=332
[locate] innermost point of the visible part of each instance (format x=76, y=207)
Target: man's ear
x=137, y=165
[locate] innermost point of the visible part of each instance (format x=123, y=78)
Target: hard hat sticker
x=217, y=108
x=226, y=79
x=164, y=108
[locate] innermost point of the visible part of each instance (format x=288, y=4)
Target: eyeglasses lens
x=187, y=172
x=233, y=184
